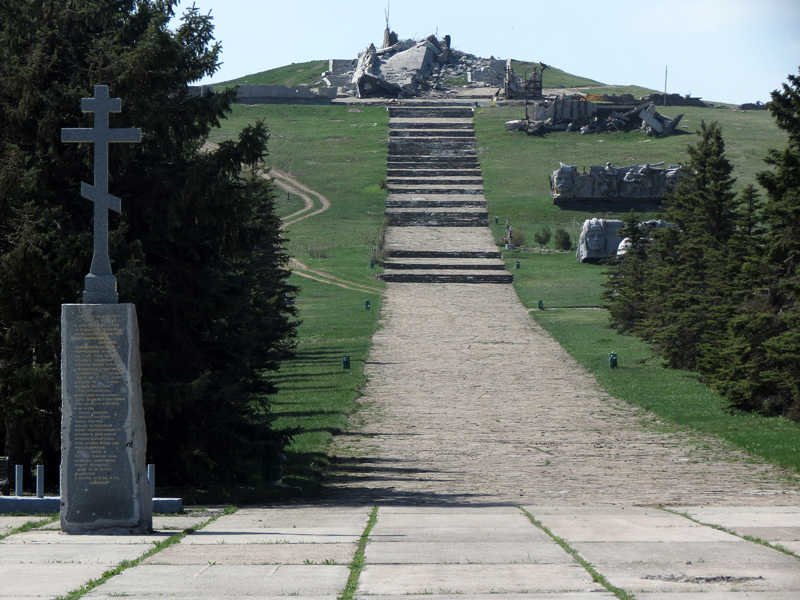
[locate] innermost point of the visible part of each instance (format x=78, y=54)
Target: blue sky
x=721, y=50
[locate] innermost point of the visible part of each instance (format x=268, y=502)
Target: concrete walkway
x=484, y=461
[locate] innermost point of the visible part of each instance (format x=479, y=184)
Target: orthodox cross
x=100, y=285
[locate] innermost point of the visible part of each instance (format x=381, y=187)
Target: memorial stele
x=104, y=487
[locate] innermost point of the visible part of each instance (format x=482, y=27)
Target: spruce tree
x=761, y=368
x=197, y=247
x=687, y=294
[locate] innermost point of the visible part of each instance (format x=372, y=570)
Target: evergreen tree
x=687, y=293
x=761, y=368
x=197, y=247
x=624, y=296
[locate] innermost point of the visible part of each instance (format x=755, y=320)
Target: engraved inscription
x=99, y=400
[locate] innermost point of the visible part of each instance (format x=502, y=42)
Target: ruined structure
x=578, y=114
x=598, y=239
x=409, y=68
x=638, y=185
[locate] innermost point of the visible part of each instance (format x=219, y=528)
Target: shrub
x=543, y=237
x=562, y=241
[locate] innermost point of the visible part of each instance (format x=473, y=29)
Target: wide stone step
x=433, y=124
x=433, y=146
x=433, y=173
x=412, y=160
x=414, y=203
x=447, y=277
x=434, y=180
x=452, y=264
x=433, y=218
x=430, y=133
x=430, y=112
x=440, y=254
x=439, y=189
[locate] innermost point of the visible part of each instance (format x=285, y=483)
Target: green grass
x=674, y=396
x=340, y=154
x=357, y=564
x=516, y=169
x=596, y=577
x=127, y=564
x=635, y=90
x=552, y=77
x=316, y=394
x=309, y=73
x=30, y=524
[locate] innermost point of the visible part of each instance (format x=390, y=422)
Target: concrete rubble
x=408, y=68
x=646, y=183
x=568, y=113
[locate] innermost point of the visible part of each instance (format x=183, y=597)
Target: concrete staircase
x=436, y=187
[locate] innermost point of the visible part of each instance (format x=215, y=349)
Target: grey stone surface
x=255, y=554
x=609, y=182
x=216, y=581
x=475, y=579
x=466, y=552
x=100, y=284
x=103, y=474
x=277, y=535
x=9, y=523
x=598, y=239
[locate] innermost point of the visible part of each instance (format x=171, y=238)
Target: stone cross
x=100, y=285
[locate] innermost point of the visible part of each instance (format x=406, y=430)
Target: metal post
x=517, y=265
x=612, y=360
x=345, y=361
x=541, y=304
x=40, y=481
x=366, y=304
x=496, y=220
x=151, y=477
x=18, y=480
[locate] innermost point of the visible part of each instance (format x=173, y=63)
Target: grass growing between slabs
x=674, y=396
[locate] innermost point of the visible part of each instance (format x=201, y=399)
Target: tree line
x=197, y=247
x=718, y=292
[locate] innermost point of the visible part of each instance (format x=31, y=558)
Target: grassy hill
x=341, y=151
x=309, y=73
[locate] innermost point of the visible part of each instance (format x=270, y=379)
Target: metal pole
x=18, y=480
x=39, y=481
x=151, y=477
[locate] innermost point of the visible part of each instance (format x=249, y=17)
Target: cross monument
x=100, y=285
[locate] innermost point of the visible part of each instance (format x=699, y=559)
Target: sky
x=732, y=51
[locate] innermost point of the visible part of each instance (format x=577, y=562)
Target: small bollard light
x=496, y=220
x=345, y=361
x=372, y=264
x=516, y=266
x=612, y=360
x=366, y=304
x=541, y=305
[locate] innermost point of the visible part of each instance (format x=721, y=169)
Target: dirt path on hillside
x=469, y=401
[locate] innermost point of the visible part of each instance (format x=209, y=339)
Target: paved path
x=484, y=461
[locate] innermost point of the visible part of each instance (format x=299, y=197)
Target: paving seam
x=28, y=526
x=128, y=564
x=596, y=577
x=357, y=565
x=747, y=538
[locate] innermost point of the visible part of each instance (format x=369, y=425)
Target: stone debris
x=750, y=106
x=408, y=68
x=573, y=113
x=640, y=182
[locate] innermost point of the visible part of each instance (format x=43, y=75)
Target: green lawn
x=309, y=73
x=341, y=154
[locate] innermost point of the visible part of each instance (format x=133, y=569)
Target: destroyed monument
x=617, y=187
